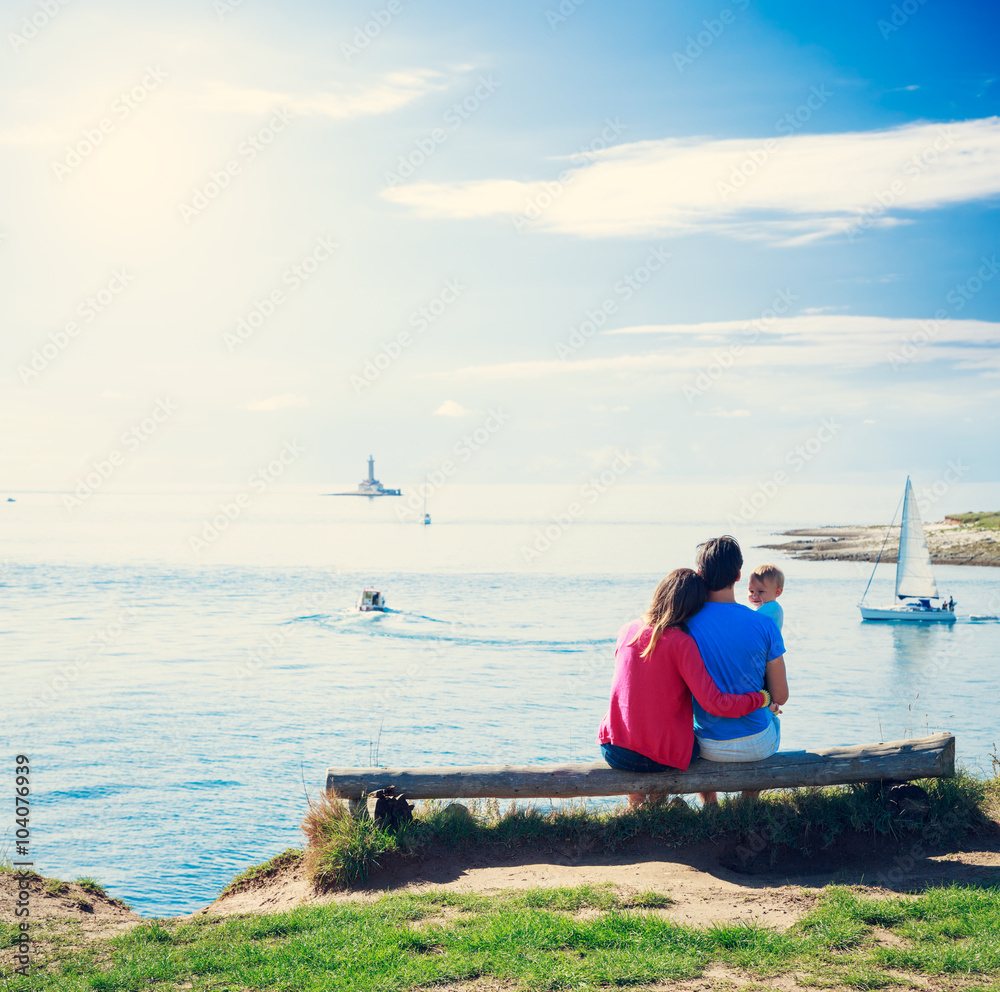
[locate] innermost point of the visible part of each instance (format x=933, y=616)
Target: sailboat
x=915, y=583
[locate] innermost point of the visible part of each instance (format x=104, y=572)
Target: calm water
x=178, y=706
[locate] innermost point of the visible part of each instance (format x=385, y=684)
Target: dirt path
x=703, y=889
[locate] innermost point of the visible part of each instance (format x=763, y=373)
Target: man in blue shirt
x=743, y=652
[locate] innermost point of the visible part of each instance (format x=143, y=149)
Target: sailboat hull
x=907, y=614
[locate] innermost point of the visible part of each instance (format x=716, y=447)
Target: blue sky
x=694, y=232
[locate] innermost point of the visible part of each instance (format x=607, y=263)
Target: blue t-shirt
x=736, y=644
x=772, y=610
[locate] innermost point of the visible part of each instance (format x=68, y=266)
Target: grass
x=989, y=520
x=92, y=886
x=581, y=938
x=342, y=851
x=256, y=874
x=58, y=887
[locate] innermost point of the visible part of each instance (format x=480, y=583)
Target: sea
x=180, y=666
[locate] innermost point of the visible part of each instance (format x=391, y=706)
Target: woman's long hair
x=678, y=597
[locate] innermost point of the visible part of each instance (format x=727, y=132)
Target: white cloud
x=827, y=341
x=56, y=120
x=285, y=401
x=449, y=408
x=791, y=189
x=341, y=101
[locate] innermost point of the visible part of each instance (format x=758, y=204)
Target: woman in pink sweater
x=649, y=726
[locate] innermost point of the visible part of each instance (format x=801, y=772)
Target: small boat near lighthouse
x=916, y=586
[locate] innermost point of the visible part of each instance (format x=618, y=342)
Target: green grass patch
x=259, y=873
x=988, y=520
x=92, y=886
x=582, y=938
x=343, y=851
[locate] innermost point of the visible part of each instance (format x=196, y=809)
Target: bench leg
x=358, y=808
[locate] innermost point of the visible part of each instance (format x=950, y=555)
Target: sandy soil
x=703, y=888
x=948, y=544
x=66, y=900
x=66, y=915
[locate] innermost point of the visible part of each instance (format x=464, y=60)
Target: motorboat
x=371, y=601
x=916, y=586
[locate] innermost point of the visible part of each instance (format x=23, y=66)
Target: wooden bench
x=894, y=761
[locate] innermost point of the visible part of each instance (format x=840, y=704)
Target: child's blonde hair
x=770, y=573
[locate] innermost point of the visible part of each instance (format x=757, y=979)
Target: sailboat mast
x=885, y=541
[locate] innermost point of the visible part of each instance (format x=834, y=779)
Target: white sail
x=914, y=574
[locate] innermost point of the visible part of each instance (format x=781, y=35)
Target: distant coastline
x=949, y=542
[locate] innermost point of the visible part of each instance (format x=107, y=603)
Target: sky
x=526, y=240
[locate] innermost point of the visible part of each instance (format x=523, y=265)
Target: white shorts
x=756, y=747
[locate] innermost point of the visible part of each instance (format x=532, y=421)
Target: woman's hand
x=775, y=709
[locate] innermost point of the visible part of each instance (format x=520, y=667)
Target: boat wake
x=402, y=625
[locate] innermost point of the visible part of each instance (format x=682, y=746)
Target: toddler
x=766, y=585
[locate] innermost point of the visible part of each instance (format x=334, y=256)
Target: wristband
x=767, y=698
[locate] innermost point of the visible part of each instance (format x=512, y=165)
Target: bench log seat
x=892, y=761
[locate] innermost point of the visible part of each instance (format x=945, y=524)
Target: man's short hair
x=719, y=562
x=771, y=574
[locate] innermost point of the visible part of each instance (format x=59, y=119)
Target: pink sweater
x=650, y=708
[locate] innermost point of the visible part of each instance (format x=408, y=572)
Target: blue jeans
x=631, y=761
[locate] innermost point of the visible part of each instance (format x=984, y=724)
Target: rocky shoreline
x=949, y=544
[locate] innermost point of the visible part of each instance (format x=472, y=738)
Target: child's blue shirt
x=774, y=611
